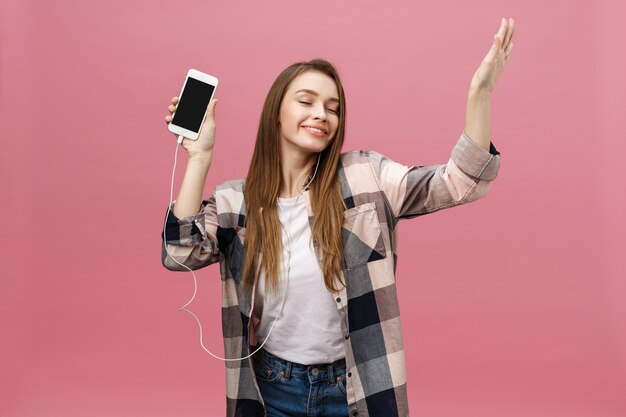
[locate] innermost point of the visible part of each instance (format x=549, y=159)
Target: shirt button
x=355, y=413
x=349, y=374
x=338, y=299
x=347, y=336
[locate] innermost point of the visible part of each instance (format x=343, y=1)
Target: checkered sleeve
x=417, y=190
x=192, y=240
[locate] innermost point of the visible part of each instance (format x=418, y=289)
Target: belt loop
x=288, y=371
x=330, y=374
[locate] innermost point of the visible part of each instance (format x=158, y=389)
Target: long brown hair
x=263, y=243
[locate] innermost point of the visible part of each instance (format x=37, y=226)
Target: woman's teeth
x=314, y=130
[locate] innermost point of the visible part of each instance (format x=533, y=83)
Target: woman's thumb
x=211, y=109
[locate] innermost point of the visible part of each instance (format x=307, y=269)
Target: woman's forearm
x=192, y=187
x=478, y=117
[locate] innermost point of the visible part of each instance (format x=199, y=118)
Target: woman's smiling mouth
x=315, y=131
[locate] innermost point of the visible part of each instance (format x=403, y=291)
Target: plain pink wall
x=89, y=316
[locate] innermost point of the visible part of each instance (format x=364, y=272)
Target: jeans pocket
x=266, y=373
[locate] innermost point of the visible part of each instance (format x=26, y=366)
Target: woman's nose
x=319, y=112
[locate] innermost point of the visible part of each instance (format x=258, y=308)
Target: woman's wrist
x=201, y=158
x=476, y=91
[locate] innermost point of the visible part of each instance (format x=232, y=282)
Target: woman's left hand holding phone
x=200, y=154
x=203, y=146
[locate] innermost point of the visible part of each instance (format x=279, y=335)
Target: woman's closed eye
x=327, y=108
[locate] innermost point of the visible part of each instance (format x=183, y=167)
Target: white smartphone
x=198, y=90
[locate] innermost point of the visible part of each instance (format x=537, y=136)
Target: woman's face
x=309, y=113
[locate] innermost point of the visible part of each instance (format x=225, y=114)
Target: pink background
x=90, y=326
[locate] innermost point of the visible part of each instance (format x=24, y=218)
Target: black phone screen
x=192, y=104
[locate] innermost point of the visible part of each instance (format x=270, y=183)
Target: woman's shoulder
x=359, y=156
x=352, y=154
x=229, y=196
x=231, y=185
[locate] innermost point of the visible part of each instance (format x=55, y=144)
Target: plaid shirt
x=378, y=192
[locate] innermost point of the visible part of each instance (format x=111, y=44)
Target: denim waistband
x=315, y=371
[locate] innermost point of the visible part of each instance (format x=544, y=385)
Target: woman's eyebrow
x=314, y=93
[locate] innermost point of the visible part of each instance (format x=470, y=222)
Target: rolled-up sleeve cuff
x=475, y=160
x=188, y=231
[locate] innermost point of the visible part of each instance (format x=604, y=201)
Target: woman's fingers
x=509, y=33
x=508, y=48
x=502, y=31
x=505, y=33
x=171, y=108
x=211, y=108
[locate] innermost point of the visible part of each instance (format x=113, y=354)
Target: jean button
x=315, y=371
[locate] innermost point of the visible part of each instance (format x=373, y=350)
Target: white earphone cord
x=195, y=282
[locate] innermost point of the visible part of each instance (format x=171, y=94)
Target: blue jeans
x=292, y=389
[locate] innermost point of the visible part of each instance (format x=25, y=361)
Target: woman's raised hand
x=206, y=140
x=494, y=63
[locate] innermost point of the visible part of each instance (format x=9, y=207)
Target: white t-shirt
x=308, y=331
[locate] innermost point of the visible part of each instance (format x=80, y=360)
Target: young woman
x=307, y=245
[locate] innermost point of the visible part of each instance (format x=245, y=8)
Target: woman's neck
x=294, y=171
